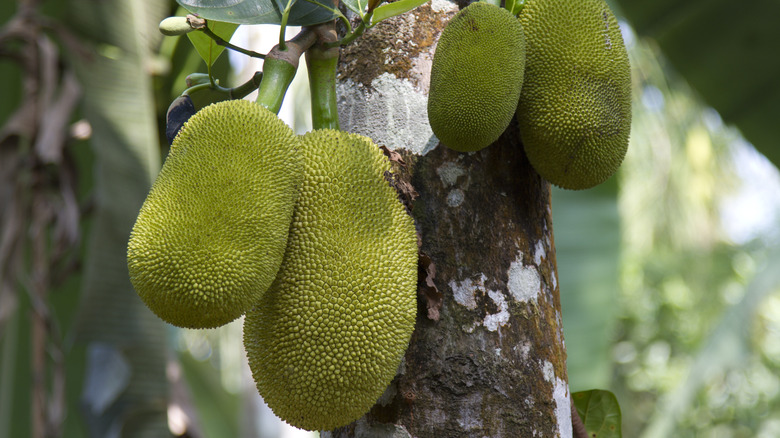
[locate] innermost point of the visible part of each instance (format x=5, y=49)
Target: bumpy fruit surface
x=476, y=77
x=575, y=107
x=212, y=232
x=329, y=335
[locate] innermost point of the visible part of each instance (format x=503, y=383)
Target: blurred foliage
x=692, y=345
x=587, y=246
x=681, y=275
x=724, y=52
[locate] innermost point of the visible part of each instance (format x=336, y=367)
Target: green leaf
x=206, y=47
x=356, y=6
x=600, y=412
x=303, y=13
x=388, y=10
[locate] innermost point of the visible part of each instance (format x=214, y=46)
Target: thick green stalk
x=247, y=87
x=279, y=70
x=322, y=65
x=322, y=62
x=277, y=76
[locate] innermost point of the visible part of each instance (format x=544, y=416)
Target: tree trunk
x=487, y=356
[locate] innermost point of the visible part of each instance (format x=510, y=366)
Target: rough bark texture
x=493, y=364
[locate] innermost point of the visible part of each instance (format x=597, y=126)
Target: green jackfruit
x=575, y=108
x=328, y=336
x=476, y=77
x=212, y=232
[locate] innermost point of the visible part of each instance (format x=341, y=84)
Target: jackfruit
x=476, y=77
x=328, y=336
x=574, y=112
x=211, y=234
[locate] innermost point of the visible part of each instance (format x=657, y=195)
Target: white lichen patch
x=524, y=283
x=562, y=408
x=562, y=401
x=449, y=173
x=539, y=253
x=525, y=349
x=465, y=291
x=421, y=69
x=393, y=114
x=548, y=371
x=455, y=197
x=469, y=417
x=443, y=6
x=493, y=321
x=438, y=415
x=465, y=294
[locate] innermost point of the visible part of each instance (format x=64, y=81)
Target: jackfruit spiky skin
x=575, y=107
x=328, y=336
x=212, y=232
x=476, y=77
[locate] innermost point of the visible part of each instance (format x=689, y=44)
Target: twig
x=198, y=23
x=576, y=422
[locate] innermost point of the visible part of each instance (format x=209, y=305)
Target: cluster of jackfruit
x=574, y=86
x=328, y=336
x=304, y=235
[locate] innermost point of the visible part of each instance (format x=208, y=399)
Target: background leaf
x=303, y=13
x=206, y=47
x=356, y=6
x=729, y=58
x=399, y=7
x=587, y=241
x=600, y=412
x=113, y=322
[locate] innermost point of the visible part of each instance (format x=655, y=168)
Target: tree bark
x=487, y=356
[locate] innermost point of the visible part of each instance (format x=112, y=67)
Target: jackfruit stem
x=247, y=87
x=322, y=63
x=353, y=35
x=492, y=2
x=277, y=76
x=279, y=70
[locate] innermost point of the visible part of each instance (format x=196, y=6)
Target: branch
x=576, y=422
x=198, y=23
